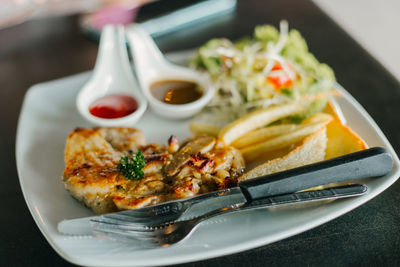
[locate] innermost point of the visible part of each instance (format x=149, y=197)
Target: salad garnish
x=272, y=67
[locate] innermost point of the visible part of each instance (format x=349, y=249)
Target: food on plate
x=262, y=134
x=270, y=68
x=111, y=169
x=341, y=139
x=311, y=149
x=309, y=126
x=257, y=119
x=333, y=139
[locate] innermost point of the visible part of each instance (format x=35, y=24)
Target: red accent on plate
x=113, y=106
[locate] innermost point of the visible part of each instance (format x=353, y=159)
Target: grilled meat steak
x=200, y=165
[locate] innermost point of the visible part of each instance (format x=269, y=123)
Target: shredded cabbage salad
x=272, y=67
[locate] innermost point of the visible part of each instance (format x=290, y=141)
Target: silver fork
x=169, y=234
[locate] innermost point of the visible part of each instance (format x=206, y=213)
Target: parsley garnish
x=132, y=166
x=287, y=92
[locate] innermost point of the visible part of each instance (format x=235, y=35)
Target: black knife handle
x=372, y=162
x=308, y=196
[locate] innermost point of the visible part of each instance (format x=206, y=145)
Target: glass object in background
x=114, y=11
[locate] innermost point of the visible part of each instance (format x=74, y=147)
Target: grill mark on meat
x=200, y=144
x=154, y=157
x=76, y=171
x=201, y=162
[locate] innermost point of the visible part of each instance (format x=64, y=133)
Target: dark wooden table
x=48, y=49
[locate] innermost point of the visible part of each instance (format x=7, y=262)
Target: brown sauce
x=176, y=92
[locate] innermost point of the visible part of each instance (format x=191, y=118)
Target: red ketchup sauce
x=113, y=106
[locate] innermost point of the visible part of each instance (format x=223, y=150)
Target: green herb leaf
x=288, y=92
x=132, y=166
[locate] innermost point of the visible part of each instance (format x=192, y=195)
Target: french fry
x=257, y=119
x=198, y=128
x=253, y=152
x=260, y=135
x=319, y=117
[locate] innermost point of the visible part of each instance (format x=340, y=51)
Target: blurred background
x=373, y=24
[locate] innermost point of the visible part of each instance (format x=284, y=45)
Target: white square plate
x=49, y=114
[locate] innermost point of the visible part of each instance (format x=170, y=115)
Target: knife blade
x=373, y=162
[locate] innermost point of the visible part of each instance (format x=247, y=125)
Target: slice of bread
x=310, y=150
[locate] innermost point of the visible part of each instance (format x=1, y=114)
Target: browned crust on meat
x=91, y=175
x=91, y=158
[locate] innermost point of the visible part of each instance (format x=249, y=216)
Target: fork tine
x=144, y=234
x=165, y=235
x=115, y=236
x=148, y=225
x=137, y=235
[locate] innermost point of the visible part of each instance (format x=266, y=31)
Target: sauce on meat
x=113, y=106
x=176, y=92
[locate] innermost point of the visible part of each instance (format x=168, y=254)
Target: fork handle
x=373, y=162
x=346, y=191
